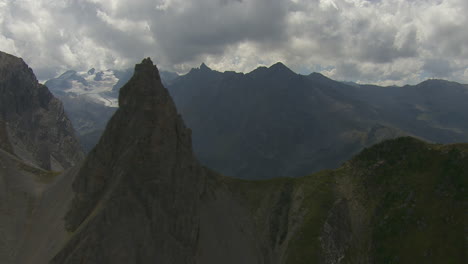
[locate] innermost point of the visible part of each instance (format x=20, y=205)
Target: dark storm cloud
x=379, y=46
x=208, y=27
x=438, y=68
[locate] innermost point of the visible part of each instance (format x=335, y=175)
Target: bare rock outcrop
x=137, y=193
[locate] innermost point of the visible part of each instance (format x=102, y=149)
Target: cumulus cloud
x=372, y=41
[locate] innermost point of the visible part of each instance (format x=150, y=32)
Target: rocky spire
x=144, y=89
x=140, y=185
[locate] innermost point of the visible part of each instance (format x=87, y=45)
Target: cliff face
x=33, y=125
x=138, y=191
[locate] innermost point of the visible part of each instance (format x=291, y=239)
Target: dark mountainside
x=273, y=122
x=28, y=111
x=36, y=141
x=142, y=197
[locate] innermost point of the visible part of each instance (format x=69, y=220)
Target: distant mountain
x=434, y=109
x=141, y=196
x=273, y=122
x=90, y=99
x=168, y=77
x=96, y=86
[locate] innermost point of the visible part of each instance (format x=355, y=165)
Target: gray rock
x=34, y=121
x=138, y=191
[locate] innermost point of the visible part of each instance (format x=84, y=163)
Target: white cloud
x=379, y=41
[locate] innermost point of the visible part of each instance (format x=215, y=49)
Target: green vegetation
x=317, y=198
x=419, y=191
x=408, y=205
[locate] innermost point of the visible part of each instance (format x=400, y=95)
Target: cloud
x=378, y=41
x=438, y=68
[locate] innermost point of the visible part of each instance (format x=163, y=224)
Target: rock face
x=33, y=125
x=137, y=193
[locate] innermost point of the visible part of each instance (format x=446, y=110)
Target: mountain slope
x=36, y=141
x=142, y=197
x=434, y=109
x=32, y=204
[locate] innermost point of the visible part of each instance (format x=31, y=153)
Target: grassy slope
x=417, y=196
x=406, y=199
x=289, y=213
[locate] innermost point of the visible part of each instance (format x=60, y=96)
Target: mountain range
x=273, y=122
x=141, y=196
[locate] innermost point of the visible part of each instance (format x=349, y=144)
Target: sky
x=367, y=41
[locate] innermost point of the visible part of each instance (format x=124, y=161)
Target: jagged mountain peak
x=145, y=62
x=279, y=66
x=144, y=89
x=145, y=150
x=278, y=69
x=203, y=67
